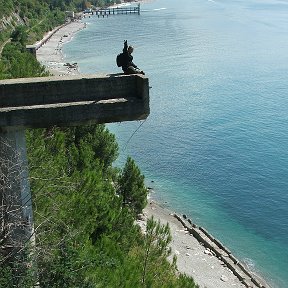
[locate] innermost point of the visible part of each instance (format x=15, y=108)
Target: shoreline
x=200, y=255
x=50, y=54
x=193, y=257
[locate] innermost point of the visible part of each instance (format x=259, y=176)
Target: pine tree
x=131, y=187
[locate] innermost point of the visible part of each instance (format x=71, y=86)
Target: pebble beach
x=194, y=257
x=50, y=53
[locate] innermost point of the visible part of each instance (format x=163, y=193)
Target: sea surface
x=215, y=146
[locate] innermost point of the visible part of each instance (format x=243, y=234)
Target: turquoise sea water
x=215, y=146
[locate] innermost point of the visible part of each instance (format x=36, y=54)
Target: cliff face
x=10, y=21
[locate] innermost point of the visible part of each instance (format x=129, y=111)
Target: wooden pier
x=117, y=10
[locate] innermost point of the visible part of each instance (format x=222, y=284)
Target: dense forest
x=85, y=210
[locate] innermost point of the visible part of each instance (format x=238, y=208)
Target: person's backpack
x=120, y=59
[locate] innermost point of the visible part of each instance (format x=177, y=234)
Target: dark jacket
x=127, y=58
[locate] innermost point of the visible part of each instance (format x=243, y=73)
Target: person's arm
x=125, y=49
x=134, y=65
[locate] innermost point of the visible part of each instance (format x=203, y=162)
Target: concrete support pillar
x=16, y=219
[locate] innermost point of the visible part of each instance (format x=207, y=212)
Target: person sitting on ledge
x=128, y=66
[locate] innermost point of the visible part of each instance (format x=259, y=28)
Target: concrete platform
x=69, y=101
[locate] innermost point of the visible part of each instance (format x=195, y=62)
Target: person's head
x=130, y=49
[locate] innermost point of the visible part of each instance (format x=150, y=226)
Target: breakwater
x=217, y=249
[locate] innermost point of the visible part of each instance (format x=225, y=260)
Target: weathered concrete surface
x=67, y=101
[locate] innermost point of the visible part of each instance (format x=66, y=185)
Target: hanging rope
x=126, y=144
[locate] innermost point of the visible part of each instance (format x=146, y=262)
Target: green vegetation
x=6, y=7
x=86, y=234
x=16, y=62
x=36, y=18
x=86, y=231
x=132, y=188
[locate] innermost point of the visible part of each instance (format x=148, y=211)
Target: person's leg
x=132, y=70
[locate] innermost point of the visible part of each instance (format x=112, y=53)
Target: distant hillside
x=39, y=16
x=36, y=16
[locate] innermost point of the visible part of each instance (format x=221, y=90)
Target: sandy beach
x=193, y=257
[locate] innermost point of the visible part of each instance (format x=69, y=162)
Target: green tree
x=19, y=63
x=20, y=35
x=3, y=74
x=102, y=143
x=156, y=241
x=131, y=187
x=6, y=7
x=185, y=281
